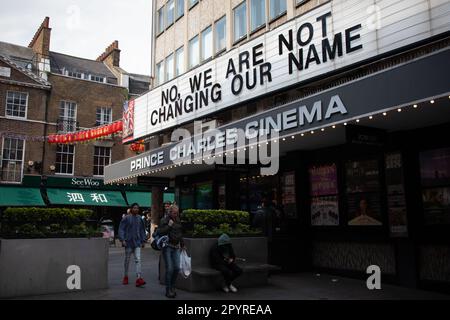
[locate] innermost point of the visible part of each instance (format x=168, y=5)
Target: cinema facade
x=359, y=112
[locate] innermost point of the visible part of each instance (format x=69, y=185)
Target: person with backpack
x=223, y=259
x=133, y=238
x=171, y=227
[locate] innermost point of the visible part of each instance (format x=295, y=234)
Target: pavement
x=304, y=286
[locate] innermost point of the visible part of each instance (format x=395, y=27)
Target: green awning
x=144, y=199
x=80, y=197
x=20, y=197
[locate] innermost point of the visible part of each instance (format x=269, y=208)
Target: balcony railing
x=67, y=126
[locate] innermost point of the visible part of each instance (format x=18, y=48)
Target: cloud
x=84, y=27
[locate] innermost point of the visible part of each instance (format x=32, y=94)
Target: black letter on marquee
x=349, y=39
x=266, y=73
x=195, y=82
x=257, y=53
x=208, y=78
x=244, y=58
x=165, y=97
x=337, y=47
x=313, y=56
x=154, y=115
x=288, y=43
x=241, y=84
x=324, y=23
x=293, y=60
x=310, y=31
x=231, y=69
x=216, y=93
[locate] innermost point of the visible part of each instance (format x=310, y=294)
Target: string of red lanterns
x=86, y=135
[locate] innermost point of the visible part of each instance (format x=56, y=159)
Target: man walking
x=171, y=226
x=133, y=238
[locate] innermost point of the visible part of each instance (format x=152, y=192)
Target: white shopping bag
x=185, y=264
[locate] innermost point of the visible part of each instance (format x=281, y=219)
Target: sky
x=84, y=28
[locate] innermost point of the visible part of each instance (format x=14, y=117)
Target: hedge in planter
x=32, y=223
x=211, y=223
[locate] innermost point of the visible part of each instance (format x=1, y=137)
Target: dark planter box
x=252, y=249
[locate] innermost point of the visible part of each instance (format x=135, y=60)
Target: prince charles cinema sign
x=334, y=35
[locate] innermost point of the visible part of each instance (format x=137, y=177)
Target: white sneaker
x=226, y=289
x=233, y=288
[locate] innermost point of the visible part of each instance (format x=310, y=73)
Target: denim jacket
x=132, y=230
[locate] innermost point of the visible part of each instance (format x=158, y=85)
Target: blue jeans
x=172, y=260
x=136, y=252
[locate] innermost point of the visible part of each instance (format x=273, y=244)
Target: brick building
x=44, y=92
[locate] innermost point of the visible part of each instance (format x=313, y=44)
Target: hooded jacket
x=222, y=251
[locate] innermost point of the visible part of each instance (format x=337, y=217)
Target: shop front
x=359, y=143
x=362, y=183
x=106, y=201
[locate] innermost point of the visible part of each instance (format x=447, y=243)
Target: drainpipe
x=153, y=44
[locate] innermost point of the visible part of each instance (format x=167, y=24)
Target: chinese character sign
x=99, y=198
x=75, y=197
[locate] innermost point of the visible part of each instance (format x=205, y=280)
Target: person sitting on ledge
x=223, y=259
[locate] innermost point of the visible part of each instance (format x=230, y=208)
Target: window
x=170, y=12
x=240, y=21
x=12, y=159
x=221, y=34
x=65, y=155
x=207, y=44
x=103, y=116
x=192, y=3
x=169, y=67
x=67, y=116
x=161, y=20
x=160, y=73
x=97, y=78
x=301, y=1
x=102, y=158
x=180, y=8
x=74, y=74
x=278, y=7
x=16, y=104
x=257, y=13
x=179, y=61
x=193, y=52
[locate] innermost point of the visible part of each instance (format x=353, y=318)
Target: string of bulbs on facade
x=281, y=139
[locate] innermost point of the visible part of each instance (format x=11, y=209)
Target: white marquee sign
x=337, y=34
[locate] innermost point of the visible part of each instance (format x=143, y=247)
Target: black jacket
x=175, y=232
x=217, y=256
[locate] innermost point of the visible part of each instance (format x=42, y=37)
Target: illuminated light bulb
x=345, y=124
x=415, y=106
x=293, y=137
x=399, y=110
x=357, y=120
x=384, y=114
x=284, y=139
x=432, y=101
x=334, y=127
x=322, y=130
x=303, y=134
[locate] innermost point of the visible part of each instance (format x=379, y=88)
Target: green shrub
x=215, y=216
x=24, y=223
x=213, y=223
